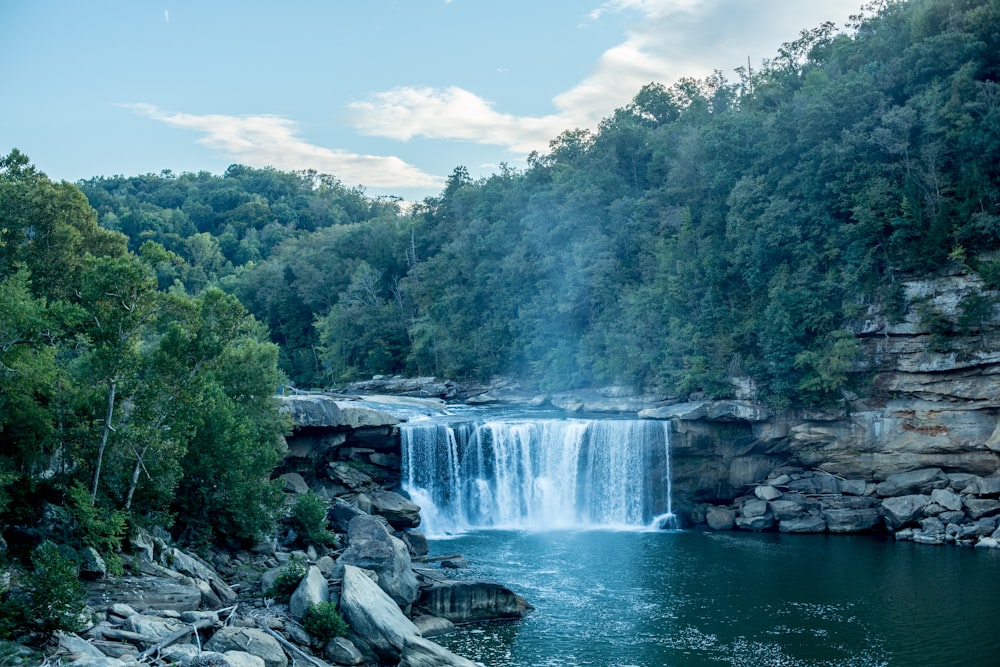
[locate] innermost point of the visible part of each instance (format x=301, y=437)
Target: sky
x=390, y=95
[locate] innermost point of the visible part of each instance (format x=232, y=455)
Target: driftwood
x=294, y=650
x=203, y=624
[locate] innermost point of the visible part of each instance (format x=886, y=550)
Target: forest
x=708, y=231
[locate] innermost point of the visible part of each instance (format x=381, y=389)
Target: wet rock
x=419, y=652
x=417, y=543
x=433, y=626
x=720, y=518
x=472, y=601
x=852, y=520
x=805, y=524
x=456, y=563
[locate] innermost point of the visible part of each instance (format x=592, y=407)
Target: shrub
x=309, y=517
x=324, y=622
x=288, y=579
x=47, y=599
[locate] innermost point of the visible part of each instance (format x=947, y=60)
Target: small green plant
x=47, y=599
x=309, y=517
x=288, y=579
x=324, y=622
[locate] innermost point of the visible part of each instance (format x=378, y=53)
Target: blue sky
x=388, y=94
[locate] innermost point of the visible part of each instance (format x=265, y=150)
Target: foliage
x=100, y=528
x=324, y=622
x=289, y=577
x=48, y=598
x=309, y=518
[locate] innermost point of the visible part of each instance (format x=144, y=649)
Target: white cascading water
x=539, y=474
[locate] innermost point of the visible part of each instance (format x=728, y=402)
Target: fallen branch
x=294, y=650
x=203, y=624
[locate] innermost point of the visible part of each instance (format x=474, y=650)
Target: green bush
x=288, y=579
x=309, y=517
x=47, y=599
x=324, y=622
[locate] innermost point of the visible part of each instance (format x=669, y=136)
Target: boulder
x=343, y=652
x=720, y=518
x=377, y=623
x=985, y=486
x=420, y=652
x=786, y=510
x=978, y=508
x=417, y=543
x=432, y=626
x=313, y=589
x=294, y=483
x=902, y=510
x=767, y=492
x=468, y=601
x=340, y=513
x=456, y=563
x=145, y=593
x=806, y=524
x=852, y=520
x=326, y=412
x=371, y=547
x=754, y=507
x=92, y=565
x=242, y=659
x=249, y=640
x=755, y=523
x=399, y=511
x=152, y=628
x=947, y=499
x=912, y=482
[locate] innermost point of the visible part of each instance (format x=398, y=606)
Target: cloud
x=268, y=140
x=452, y=113
x=666, y=40
x=166, y=16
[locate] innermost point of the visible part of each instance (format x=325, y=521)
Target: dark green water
x=651, y=599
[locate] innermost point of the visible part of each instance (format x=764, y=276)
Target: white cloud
x=452, y=113
x=667, y=40
x=166, y=16
x=268, y=140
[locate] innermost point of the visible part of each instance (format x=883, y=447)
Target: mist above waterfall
x=538, y=474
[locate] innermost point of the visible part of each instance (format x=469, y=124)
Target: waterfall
x=539, y=474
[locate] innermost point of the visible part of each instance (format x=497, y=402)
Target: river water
x=657, y=598
x=561, y=511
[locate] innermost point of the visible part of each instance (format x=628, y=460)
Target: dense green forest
x=706, y=231
x=711, y=229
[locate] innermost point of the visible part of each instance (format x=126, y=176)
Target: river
x=658, y=598
x=563, y=511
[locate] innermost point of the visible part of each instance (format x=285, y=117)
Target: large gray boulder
x=371, y=547
x=852, y=520
x=400, y=512
x=312, y=590
x=249, y=640
x=912, y=482
x=325, y=411
x=902, y=510
x=420, y=652
x=720, y=518
x=471, y=601
x=376, y=621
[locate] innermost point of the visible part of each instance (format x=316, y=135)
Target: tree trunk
x=104, y=440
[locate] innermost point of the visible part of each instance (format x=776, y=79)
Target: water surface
x=651, y=599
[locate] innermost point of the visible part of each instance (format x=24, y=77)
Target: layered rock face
x=932, y=410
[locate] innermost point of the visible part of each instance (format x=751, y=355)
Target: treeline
x=121, y=404
x=707, y=231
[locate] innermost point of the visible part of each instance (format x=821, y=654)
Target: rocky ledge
x=927, y=506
